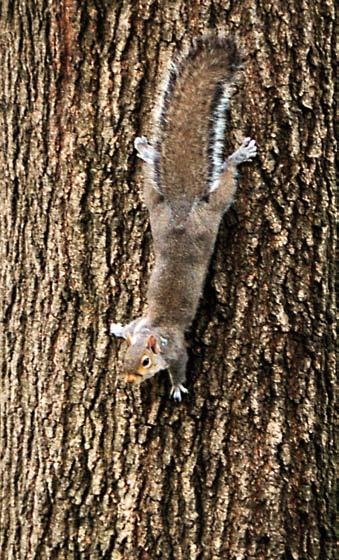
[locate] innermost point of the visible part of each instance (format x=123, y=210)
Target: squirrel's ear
x=152, y=344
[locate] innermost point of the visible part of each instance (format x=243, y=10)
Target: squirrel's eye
x=146, y=362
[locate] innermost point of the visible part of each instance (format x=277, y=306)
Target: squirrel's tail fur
x=191, y=117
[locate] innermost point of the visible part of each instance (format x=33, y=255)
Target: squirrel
x=188, y=187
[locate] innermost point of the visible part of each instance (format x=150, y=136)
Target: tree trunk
x=91, y=468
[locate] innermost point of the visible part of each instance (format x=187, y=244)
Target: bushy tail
x=191, y=119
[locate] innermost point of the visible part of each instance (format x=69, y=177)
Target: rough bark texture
x=90, y=468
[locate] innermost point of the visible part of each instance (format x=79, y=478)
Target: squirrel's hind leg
x=222, y=195
x=246, y=152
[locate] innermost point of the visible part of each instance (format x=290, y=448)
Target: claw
x=177, y=390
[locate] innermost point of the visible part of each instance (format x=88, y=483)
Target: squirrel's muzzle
x=134, y=378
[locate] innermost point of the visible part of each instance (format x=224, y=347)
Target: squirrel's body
x=182, y=243
x=189, y=186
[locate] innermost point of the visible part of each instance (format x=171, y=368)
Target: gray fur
x=184, y=222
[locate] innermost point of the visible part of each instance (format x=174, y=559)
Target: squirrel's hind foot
x=144, y=150
x=177, y=390
x=246, y=152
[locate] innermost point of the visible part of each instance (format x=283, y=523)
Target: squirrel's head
x=143, y=358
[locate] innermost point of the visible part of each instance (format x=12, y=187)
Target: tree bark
x=90, y=468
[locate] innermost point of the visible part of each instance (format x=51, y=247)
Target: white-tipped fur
x=218, y=138
x=164, y=87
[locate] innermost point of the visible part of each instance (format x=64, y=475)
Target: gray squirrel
x=188, y=187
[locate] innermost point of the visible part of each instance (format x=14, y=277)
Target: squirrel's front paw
x=247, y=151
x=177, y=390
x=117, y=329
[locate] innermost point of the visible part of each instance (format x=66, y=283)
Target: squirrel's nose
x=133, y=378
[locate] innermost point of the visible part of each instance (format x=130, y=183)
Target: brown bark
x=90, y=468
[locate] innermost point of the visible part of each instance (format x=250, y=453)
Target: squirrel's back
x=191, y=122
